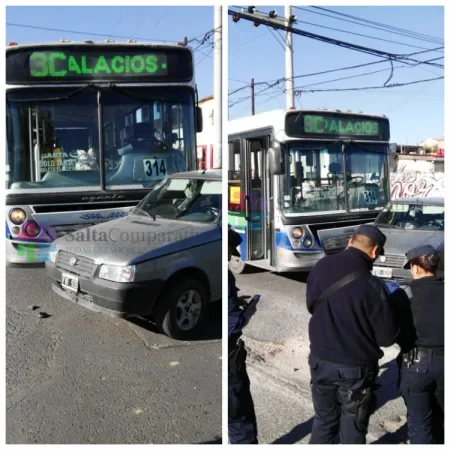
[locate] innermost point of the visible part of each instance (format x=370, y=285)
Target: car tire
x=170, y=318
x=237, y=266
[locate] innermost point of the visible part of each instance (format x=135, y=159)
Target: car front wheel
x=183, y=310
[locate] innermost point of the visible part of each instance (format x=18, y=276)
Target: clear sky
x=148, y=23
x=416, y=112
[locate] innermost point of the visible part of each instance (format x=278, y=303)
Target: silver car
x=407, y=223
x=163, y=261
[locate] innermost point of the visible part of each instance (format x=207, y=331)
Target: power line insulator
x=251, y=9
x=236, y=18
x=273, y=14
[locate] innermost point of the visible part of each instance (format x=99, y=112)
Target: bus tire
x=237, y=266
x=189, y=294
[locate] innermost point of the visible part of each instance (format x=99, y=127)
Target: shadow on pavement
x=388, y=389
x=398, y=437
x=217, y=440
x=211, y=331
x=296, y=434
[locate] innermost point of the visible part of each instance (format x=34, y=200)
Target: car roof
x=209, y=174
x=437, y=201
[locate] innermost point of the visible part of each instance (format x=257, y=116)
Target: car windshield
x=53, y=137
x=184, y=199
x=412, y=217
x=314, y=181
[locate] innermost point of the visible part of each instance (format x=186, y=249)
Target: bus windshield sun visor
x=16, y=98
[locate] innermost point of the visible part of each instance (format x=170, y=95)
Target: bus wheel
x=183, y=310
x=236, y=265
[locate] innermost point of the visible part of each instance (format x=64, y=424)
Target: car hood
x=398, y=242
x=135, y=239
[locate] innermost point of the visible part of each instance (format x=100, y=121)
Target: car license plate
x=382, y=272
x=69, y=282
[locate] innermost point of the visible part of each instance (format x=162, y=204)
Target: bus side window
x=234, y=152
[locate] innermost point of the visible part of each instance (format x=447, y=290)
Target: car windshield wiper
x=145, y=212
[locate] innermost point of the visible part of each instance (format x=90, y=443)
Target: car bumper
x=401, y=275
x=109, y=297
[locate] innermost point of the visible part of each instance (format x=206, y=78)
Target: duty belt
x=427, y=352
x=416, y=354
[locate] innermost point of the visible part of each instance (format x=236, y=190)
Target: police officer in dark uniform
x=241, y=411
x=351, y=319
x=421, y=341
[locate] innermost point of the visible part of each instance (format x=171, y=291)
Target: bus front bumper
x=289, y=261
x=24, y=253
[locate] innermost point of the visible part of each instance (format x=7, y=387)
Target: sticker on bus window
x=155, y=169
x=235, y=195
x=370, y=197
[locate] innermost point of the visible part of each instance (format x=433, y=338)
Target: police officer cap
x=418, y=251
x=234, y=241
x=372, y=232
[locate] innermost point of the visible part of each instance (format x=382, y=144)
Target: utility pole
x=252, y=88
x=289, y=61
x=278, y=23
x=217, y=155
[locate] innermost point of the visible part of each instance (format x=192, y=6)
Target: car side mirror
x=276, y=165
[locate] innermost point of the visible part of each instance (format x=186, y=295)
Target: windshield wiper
x=145, y=212
x=55, y=99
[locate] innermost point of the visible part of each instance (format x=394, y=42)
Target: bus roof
x=275, y=119
x=89, y=43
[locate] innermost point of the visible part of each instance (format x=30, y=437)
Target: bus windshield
x=53, y=137
x=314, y=181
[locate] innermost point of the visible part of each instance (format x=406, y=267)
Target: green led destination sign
x=336, y=125
x=343, y=126
x=65, y=63
x=59, y=64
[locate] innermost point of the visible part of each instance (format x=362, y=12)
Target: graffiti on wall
x=407, y=185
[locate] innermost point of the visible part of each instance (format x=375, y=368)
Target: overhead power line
x=408, y=34
x=420, y=35
x=260, y=19
x=323, y=72
x=366, y=88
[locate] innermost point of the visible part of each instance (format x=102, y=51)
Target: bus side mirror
x=275, y=161
x=199, y=119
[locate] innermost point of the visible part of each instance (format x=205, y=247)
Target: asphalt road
x=278, y=345
x=78, y=377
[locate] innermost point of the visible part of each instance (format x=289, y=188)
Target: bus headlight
x=296, y=244
x=297, y=233
x=32, y=229
x=308, y=242
x=119, y=274
x=17, y=216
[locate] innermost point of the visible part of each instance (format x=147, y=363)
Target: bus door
x=255, y=182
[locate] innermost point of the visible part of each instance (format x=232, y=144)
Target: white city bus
x=300, y=181
x=91, y=128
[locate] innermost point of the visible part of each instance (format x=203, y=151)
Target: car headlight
x=119, y=274
x=52, y=255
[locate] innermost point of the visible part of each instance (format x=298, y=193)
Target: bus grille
x=84, y=267
x=394, y=261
